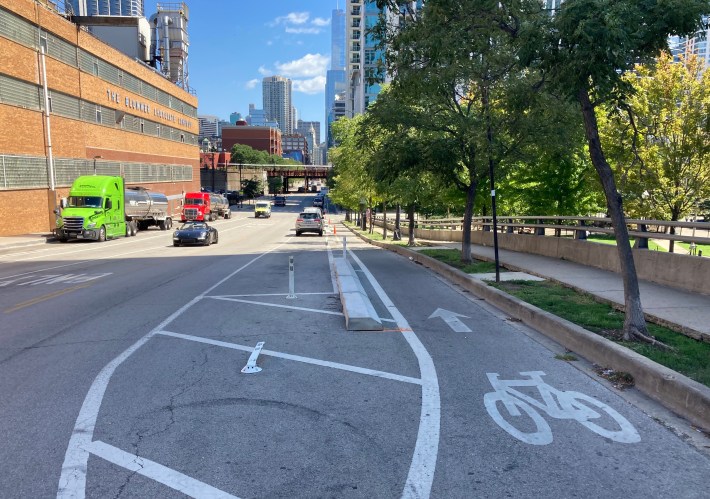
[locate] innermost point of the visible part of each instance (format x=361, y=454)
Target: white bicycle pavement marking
x=555, y=403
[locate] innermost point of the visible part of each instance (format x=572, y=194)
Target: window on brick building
x=142, y=126
x=98, y=114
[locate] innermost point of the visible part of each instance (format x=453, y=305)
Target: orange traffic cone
x=335, y=230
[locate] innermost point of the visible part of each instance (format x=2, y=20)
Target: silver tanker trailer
x=145, y=208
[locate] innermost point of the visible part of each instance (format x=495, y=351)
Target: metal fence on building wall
x=31, y=172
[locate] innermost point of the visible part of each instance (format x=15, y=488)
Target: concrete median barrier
x=360, y=315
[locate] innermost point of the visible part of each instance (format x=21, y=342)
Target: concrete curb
x=360, y=315
x=680, y=394
x=41, y=240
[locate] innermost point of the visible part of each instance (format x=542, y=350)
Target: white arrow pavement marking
x=452, y=319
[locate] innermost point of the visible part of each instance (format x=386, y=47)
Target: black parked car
x=195, y=233
x=279, y=200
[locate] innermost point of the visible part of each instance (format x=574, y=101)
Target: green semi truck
x=100, y=207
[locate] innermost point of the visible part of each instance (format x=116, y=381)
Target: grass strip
x=690, y=358
x=452, y=257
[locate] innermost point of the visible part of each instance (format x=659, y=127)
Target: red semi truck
x=205, y=206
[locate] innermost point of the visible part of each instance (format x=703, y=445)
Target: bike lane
x=568, y=434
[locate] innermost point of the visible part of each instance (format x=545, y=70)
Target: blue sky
x=235, y=43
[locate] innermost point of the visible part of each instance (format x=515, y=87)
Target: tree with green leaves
x=457, y=75
x=661, y=139
x=402, y=159
x=587, y=46
x=252, y=188
x=275, y=184
x=353, y=188
x=552, y=174
x=458, y=48
x=245, y=154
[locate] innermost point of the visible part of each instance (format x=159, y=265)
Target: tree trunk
x=397, y=236
x=371, y=211
x=410, y=217
x=635, y=322
x=467, y=217
x=384, y=221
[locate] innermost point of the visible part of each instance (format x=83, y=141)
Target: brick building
x=262, y=138
x=107, y=114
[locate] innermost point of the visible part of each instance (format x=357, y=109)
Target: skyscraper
x=304, y=128
x=361, y=56
x=337, y=40
x=277, y=102
x=106, y=7
x=335, y=77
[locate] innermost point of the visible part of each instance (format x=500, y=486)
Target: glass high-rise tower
x=335, y=77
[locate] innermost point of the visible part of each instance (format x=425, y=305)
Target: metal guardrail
x=578, y=227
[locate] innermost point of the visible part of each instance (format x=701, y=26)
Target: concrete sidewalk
x=12, y=242
x=676, y=308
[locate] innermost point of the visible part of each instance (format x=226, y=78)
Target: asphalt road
x=121, y=376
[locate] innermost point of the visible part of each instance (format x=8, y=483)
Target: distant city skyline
x=234, y=45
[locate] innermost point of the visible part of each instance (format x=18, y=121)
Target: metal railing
x=580, y=228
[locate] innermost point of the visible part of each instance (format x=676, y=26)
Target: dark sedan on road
x=195, y=233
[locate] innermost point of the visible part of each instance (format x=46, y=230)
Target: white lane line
x=150, y=469
x=297, y=358
x=423, y=466
x=95, y=259
x=92, y=247
x=72, y=481
x=225, y=298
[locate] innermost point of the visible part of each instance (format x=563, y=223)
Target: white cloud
x=309, y=65
x=265, y=71
x=312, y=86
x=252, y=83
x=319, y=21
x=292, y=18
x=302, y=31
x=296, y=23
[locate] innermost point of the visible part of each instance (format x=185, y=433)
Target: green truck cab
x=94, y=210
